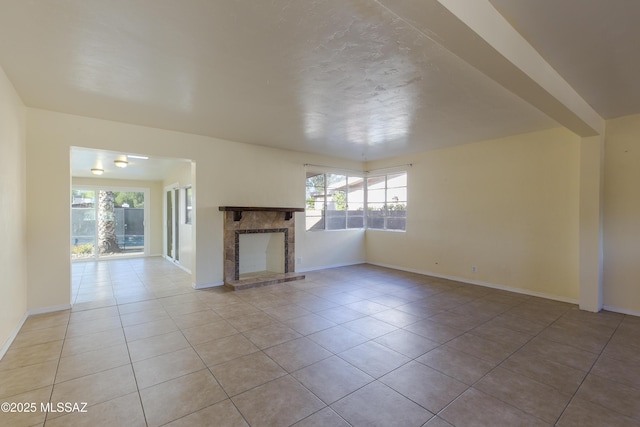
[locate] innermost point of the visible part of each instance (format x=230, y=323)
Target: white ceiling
x=151, y=169
x=347, y=77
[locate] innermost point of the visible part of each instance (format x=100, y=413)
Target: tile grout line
x=46, y=415
x=533, y=337
x=135, y=377
x=589, y=371
x=440, y=345
x=498, y=365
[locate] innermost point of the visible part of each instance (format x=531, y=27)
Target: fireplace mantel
x=237, y=210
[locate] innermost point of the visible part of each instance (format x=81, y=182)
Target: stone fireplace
x=243, y=221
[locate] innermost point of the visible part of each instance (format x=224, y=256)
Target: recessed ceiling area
x=151, y=169
x=358, y=79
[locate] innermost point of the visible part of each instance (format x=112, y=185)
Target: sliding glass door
x=83, y=223
x=106, y=222
x=172, y=232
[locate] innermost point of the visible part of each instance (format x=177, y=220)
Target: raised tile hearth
x=240, y=220
x=263, y=280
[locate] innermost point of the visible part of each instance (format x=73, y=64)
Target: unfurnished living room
x=320, y=213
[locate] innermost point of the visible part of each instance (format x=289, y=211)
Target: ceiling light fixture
x=97, y=171
x=120, y=163
x=139, y=157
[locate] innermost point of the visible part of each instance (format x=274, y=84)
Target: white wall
x=622, y=215
x=509, y=207
x=226, y=173
x=13, y=224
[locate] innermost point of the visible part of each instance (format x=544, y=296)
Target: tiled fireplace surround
x=248, y=220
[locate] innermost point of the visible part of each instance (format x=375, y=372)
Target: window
x=387, y=201
x=188, y=204
x=334, y=201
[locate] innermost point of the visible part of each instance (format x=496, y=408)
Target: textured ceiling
x=358, y=79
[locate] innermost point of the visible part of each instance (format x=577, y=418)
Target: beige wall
x=324, y=249
x=226, y=173
x=154, y=204
x=622, y=215
x=510, y=207
x=13, y=225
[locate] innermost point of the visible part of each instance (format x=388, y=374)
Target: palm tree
x=107, y=241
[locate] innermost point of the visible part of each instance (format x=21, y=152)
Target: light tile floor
x=358, y=345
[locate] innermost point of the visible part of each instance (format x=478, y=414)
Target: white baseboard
x=622, y=310
x=15, y=332
x=176, y=263
x=182, y=267
x=46, y=310
x=485, y=284
x=347, y=264
x=207, y=285
x=13, y=336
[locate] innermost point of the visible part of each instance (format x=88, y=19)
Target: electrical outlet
x=474, y=269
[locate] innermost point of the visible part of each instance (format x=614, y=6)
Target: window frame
x=386, y=203
x=327, y=197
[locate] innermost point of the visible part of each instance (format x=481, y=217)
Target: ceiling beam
x=478, y=34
